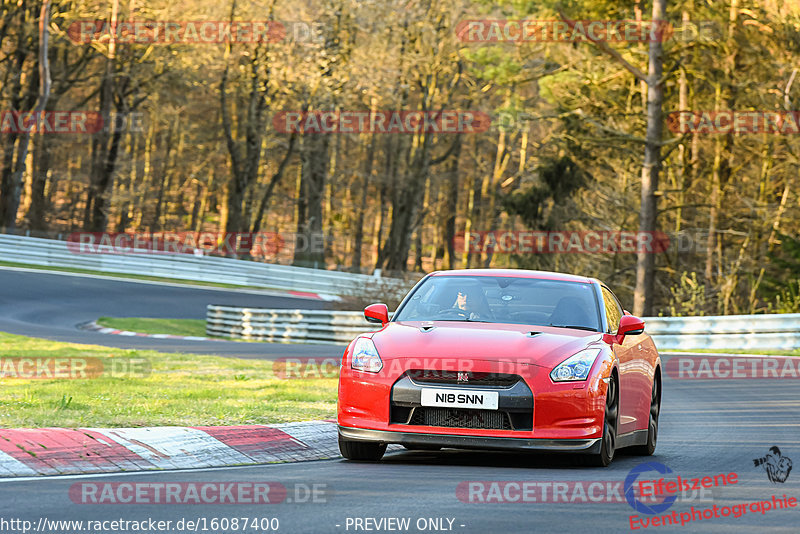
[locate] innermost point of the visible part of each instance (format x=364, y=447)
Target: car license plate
x=460, y=398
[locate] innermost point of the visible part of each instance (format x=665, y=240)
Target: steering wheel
x=452, y=312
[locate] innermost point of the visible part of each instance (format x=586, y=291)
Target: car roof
x=518, y=273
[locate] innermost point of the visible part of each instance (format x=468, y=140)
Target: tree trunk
x=315, y=160
x=129, y=185
x=452, y=179
x=723, y=155
x=473, y=187
x=386, y=185
x=39, y=203
x=155, y=225
x=94, y=218
x=362, y=206
x=12, y=169
x=407, y=201
x=646, y=260
x=277, y=177
x=244, y=166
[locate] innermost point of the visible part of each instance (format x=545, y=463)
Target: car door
x=628, y=355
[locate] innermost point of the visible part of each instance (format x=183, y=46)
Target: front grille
x=468, y=378
x=458, y=418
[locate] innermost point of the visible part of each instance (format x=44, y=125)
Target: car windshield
x=495, y=299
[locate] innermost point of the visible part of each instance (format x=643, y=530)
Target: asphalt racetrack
x=51, y=306
x=708, y=428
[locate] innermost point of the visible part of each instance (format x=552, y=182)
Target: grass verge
x=180, y=389
x=176, y=327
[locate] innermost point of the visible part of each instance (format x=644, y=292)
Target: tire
x=652, y=428
x=361, y=450
x=608, y=443
x=423, y=447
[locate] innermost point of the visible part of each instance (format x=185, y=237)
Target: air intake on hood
x=532, y=334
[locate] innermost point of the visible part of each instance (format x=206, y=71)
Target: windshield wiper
x=577, y=327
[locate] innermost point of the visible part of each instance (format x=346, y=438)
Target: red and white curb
x=316, y=296
x=94, y=327
x=62, y=451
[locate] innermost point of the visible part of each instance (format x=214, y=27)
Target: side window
x=613, y=310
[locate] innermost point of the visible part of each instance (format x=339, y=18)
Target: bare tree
x=12, y=200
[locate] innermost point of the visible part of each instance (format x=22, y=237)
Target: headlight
x=576, y=367
x=365, y=356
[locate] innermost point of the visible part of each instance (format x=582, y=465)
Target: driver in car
x=467, y=301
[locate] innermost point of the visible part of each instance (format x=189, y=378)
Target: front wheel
x=609, y=441
x=361, y=450
x=652, y=428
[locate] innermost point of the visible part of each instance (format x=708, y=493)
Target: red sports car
x=504, y=360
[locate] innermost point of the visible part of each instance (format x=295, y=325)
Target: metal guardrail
x=743, y=332
x=52, y=253
x=288, y=326
x=748, y=332
x=726, y=324
x=749, y=342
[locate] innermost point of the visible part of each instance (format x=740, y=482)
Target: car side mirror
x=377, y=313
x=629, y=325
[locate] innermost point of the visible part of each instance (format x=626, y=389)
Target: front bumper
x=582, y=446
x=561, y=414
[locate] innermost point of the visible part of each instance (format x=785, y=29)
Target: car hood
x=533, y=345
